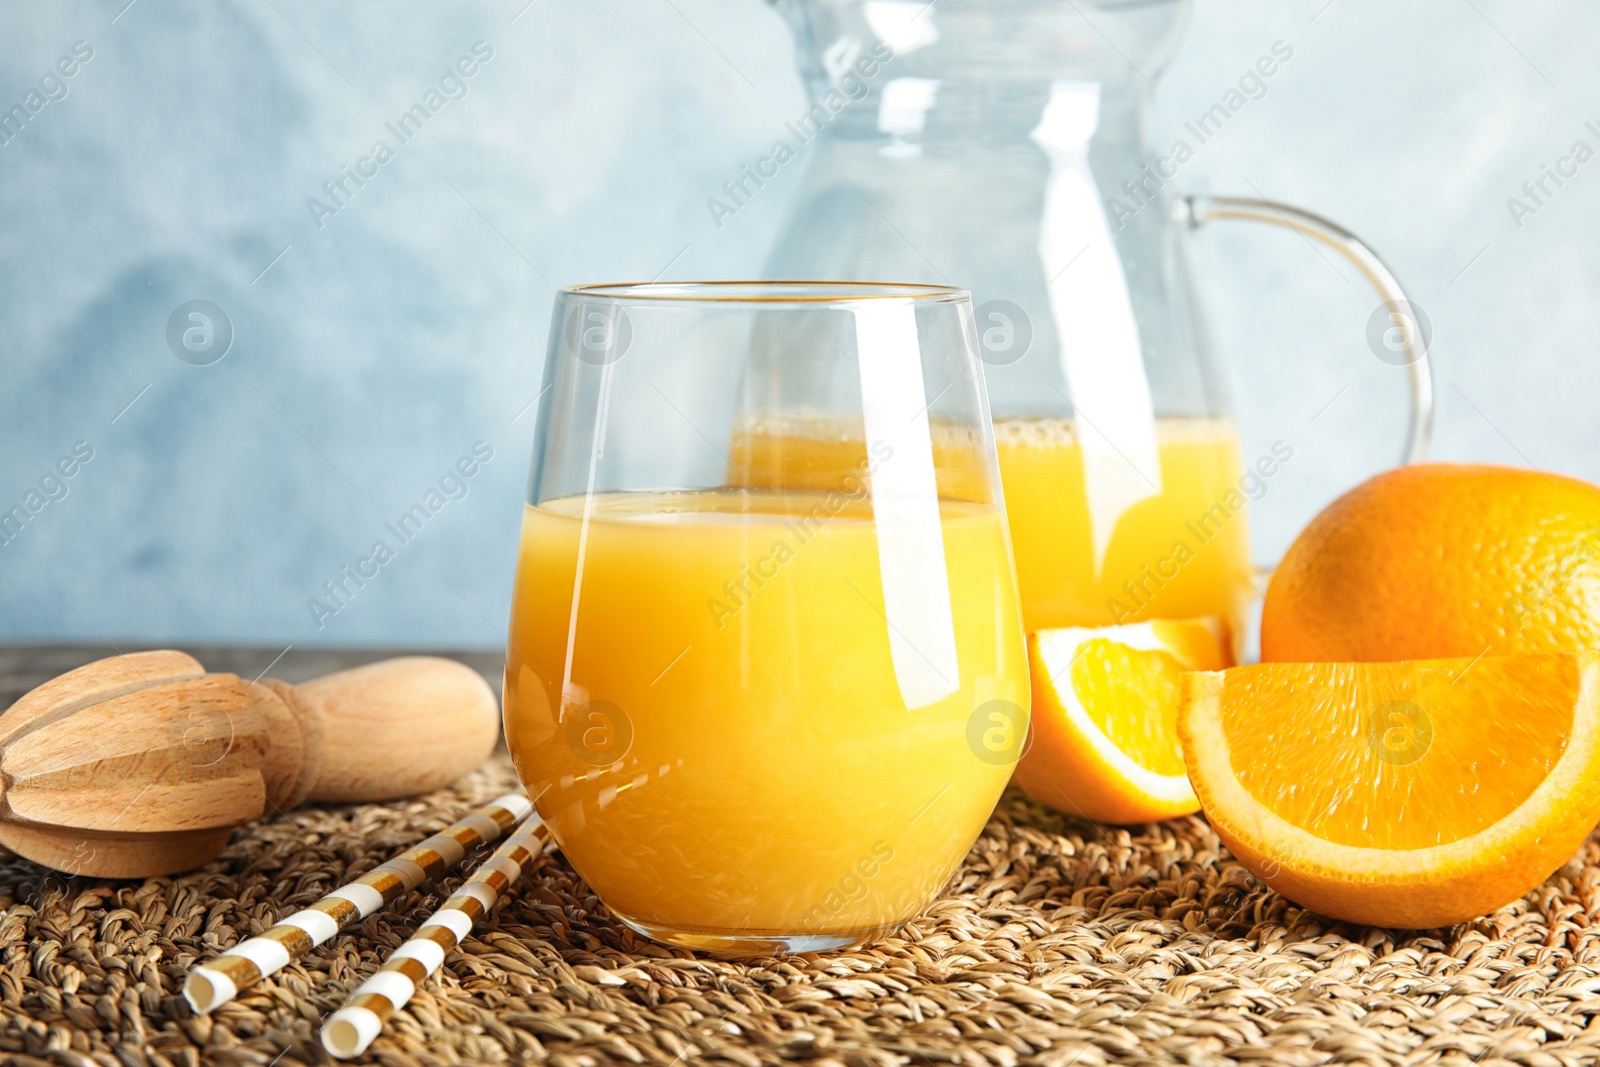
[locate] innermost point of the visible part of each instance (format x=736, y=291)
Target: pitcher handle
x=1200, y=210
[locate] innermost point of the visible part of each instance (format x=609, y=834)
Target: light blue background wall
x=375, y=351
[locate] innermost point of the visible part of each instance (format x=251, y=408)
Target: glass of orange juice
x=766, y=676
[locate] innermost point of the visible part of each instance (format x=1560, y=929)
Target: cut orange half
x=1105, y=708
x=1413, y=794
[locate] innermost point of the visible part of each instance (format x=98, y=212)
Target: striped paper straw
x=353, y=1027
x=214, y=983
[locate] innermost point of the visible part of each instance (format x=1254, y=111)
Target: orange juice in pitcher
x=1181, y=551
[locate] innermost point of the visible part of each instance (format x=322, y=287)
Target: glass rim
x=750, y=292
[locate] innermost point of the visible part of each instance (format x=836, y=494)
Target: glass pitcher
x=1001, y=147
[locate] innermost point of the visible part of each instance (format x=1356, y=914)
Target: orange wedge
x=1105, y=705
x=1412, y=794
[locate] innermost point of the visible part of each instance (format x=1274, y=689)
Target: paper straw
x=353, y=1027
x=214, y=983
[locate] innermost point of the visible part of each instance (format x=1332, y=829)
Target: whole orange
x=1440, y=560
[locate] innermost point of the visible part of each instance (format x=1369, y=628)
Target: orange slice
x=1105, y=704
x=1412, y=794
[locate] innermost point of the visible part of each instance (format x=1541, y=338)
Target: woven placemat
x=1059, y=943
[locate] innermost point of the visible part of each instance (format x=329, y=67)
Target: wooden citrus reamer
x=144, y=764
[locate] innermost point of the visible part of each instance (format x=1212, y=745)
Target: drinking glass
x=766, y=676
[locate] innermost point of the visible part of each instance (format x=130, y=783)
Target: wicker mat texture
x=1059, y=943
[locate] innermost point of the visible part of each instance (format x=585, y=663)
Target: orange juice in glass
x=765, y=687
